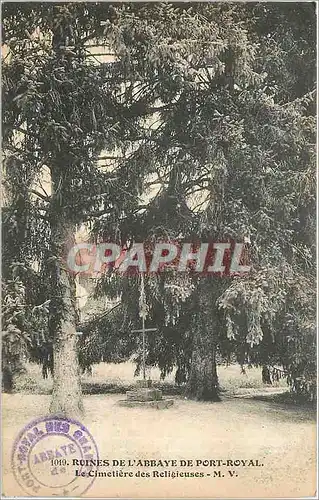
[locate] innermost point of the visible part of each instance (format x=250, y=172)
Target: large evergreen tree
x=60, y=111
x=239, y=122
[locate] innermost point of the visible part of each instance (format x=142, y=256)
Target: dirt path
x=281, y=438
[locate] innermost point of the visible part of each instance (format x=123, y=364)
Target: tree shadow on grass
x=120, y=388
x=284, y=406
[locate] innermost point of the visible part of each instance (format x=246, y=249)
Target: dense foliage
x=208, y=110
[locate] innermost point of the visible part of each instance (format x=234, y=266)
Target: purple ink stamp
x=55, y=456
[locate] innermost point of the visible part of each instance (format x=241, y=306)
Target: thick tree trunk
x=67, y=394
x=202, y=384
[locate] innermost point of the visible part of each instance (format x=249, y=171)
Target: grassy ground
x=115, y=378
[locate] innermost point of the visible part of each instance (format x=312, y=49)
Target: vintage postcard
x=159, y=250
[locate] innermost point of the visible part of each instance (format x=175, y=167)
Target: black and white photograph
x=159, y=249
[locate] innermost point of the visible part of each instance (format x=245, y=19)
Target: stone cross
x=143, y=330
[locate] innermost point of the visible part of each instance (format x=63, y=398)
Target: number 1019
x=58, y=461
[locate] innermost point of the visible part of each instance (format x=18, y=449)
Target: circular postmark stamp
x=55, y=456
